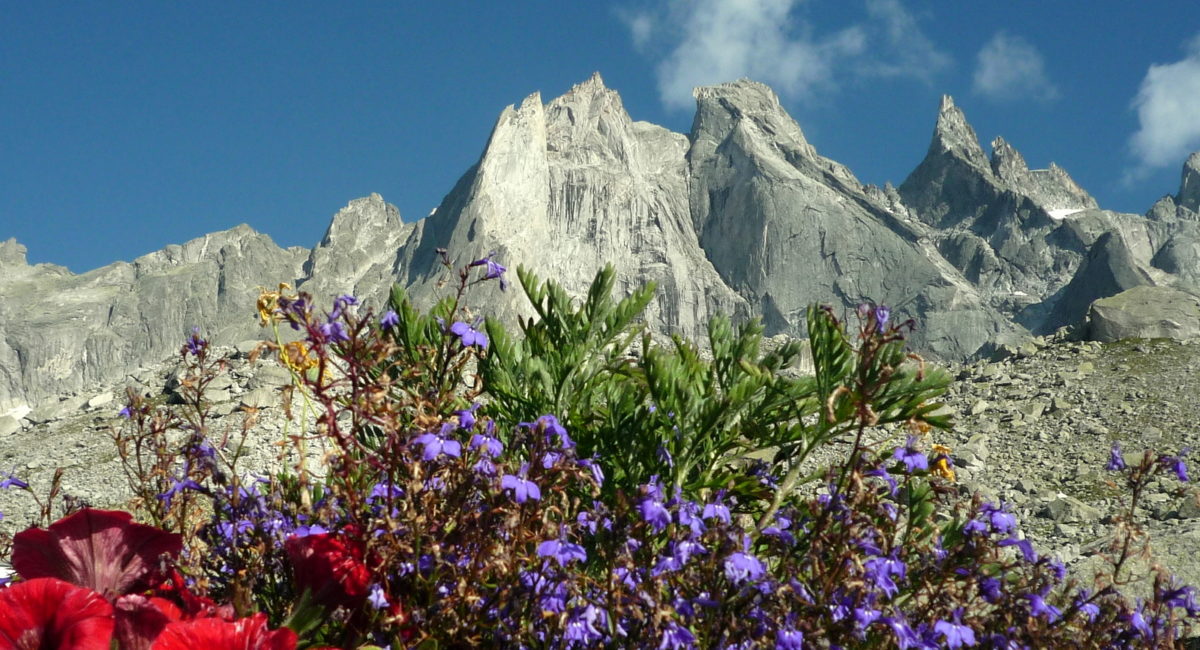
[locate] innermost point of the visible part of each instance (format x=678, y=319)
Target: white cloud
x=910, y=52
x=1010, y=68
x=1168, y=109
x=712, y=41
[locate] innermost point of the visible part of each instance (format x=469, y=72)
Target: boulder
x=1145, y=312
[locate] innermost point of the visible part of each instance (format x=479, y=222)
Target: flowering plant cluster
x=555, y=491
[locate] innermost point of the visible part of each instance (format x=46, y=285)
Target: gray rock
x=9, y=425
x=100, y=400
x=1189, y=184
x=1069, y=510
x=260, y=398
x=269, y=376
x=1145, y=312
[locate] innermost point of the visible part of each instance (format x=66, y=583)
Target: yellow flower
x=267, y=301
x=295, y=355
x=941, y=464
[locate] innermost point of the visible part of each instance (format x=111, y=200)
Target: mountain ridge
x=741, y=215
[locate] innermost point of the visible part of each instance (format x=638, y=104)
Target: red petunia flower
x=331, y=567
x=215, y=634
x=175, y=590
x=139, y=620
x=102, y=550
x=50, y=613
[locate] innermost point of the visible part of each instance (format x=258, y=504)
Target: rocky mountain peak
x=12, y=253
x=1007, y=163
x=954, y=135
x=747, y=106
x=1189, y=184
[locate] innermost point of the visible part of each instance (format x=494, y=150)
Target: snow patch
x=1059, y=215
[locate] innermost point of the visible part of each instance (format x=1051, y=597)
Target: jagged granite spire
x=1189, y=184
x=357, y=255
x=953, y=135
x=786, y=227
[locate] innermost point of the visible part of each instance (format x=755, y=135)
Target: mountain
x=741, y=215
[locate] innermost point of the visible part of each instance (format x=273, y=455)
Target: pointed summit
x=1189, y=184
x=955, y=136
x=12, y=253
x=744, y=104
x=1007, y=163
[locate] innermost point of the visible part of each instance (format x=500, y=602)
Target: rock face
x=1189, y=184
x=1145, y=312
x=741, y=216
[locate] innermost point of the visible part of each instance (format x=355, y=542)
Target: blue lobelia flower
x=440, y=443
x=523, y=488
x=494, y=270
x=1116, y=462
x=742, y=567
x=562, y=551
x=469, y=336
x=654, y=513
x=912, y=459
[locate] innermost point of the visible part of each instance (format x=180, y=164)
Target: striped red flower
x=51, y=613
x=103, y=550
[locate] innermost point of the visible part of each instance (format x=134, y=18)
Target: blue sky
x=128, y=126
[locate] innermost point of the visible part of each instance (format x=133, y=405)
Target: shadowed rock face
x=740, y=216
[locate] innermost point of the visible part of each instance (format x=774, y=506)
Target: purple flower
x=195, y=345
x=906, y=637
x=523, y=488
x=740, y=567
x=1025, y=547
x=1176, y=464
x=437, y=444
x=494, y=269
x=581, y=626
x=340, y=304
x=675, y=637
x=1039, y=607
x=469, y=336
x=716, y=509
x=594, y=466
x=126, y=412
x=178, y=486
x=882, y=313
x=654, y=513
x=491, y=446
x=1116, y=462
x=912, y=459
x=882, y=473
x=1001, y=521
x=389, y=320
x=989, y=588
x=1090, y=609
x=11, y=481
x=551, y=427
x=788, y=638
x=466, y=417
x=334, y=331
x=955, y=634
x=378, y=599
x=881, y=570
x=562, y=551
x=1138, y=621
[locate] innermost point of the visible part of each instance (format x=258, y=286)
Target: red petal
x=50, y=613
x=140, y=620
x=215, y=634
x=331, y=567
x=102, y=550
